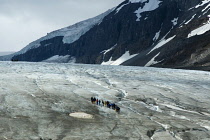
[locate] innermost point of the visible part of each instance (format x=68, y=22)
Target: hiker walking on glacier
x=92, y=99
x=107, y=103
x=117, y=109
x=102, y=102
x=97, y=101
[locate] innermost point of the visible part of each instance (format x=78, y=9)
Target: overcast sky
x=23, y=21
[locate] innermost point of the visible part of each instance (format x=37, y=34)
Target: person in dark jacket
x=94, y=100
x=113, y=106
x=91, y=100
x=99, y=102
x=107, y=103
x=103, y=102
x=117, y=109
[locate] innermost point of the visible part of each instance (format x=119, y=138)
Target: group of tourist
x=105, y=103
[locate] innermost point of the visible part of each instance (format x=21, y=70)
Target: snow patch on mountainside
x=206, y=7
x=119, y=8
x=152, y=61
x=137, y=1
x=201, y=30
x=106, y=51
x=150, y=6
x=203, y=3
x=70, y=34
x=124, y=58
x=60, y=59
x=190, y=19
x=108, y=62
x=120, y=60
x=157, y=35
x=174, y=21
x=162, y=42
x=130, y=1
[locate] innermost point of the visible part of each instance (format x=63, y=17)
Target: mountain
x=160, y=33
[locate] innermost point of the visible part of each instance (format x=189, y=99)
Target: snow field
x=150, y=6
x=201, y=30
x=126, y=56
x=43, y=95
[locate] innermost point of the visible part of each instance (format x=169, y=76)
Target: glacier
x=40, y=101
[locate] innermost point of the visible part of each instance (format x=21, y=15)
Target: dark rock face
x=121, y=31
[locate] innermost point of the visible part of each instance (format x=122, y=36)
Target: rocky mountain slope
x=161, y=33
x=156, y=104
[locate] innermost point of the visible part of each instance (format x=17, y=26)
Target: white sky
x=23, y=21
